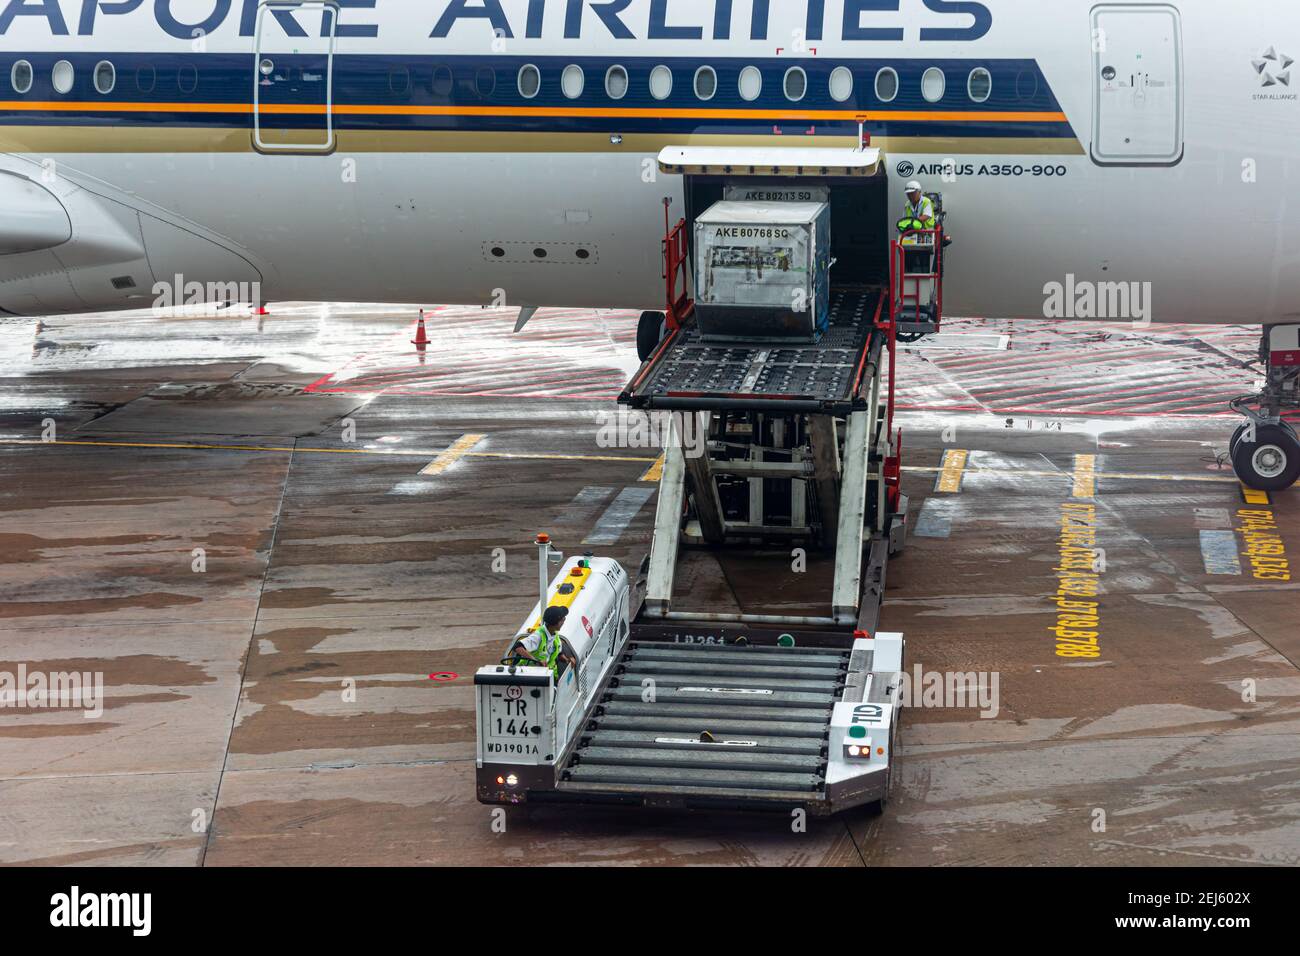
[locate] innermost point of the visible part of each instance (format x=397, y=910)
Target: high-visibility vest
x=548, y=649
x=914, y=216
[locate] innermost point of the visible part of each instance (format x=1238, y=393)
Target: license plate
x=512, y=715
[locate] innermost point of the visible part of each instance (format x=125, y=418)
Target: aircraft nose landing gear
x=1269, y=460
x=1265, y=449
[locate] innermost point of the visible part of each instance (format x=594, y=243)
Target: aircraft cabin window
x=616, y=83
x=980, y=85
x=442, y=81
x=20, y=77
x=661, y=82
x=63, y=76
x=1026, y=85
x=933, y=84
x=530, y=81
x=796, y=84
x=399, y=80
x=572, y=81
x=887, y=85
x=485, y=82
x=706, y=83
x=105, y=77
x=841, y=84
x=146, y=78
x=188, y=79
x=751, y=83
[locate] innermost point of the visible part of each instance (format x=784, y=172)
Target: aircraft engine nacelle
x=68, y=247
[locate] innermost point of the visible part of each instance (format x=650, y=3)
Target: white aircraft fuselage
x=502, y=151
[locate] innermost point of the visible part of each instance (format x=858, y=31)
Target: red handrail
x=899, y=277
x=676, y=253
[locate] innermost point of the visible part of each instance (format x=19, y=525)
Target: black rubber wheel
x=1236, y=437
x=1269, y=463
x=649, y=332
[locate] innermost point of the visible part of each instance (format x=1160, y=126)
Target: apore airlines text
x=817, y=20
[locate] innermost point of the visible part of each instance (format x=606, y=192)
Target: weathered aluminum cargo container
x=763, y=270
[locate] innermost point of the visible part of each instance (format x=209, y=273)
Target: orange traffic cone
x=261, y=310
x=421, y=339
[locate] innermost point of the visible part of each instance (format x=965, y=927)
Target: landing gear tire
x=1236, y=437
x=1269, y=463
x=649, y=333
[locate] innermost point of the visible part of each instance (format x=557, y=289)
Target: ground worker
x=543, y=644
x=919, y=211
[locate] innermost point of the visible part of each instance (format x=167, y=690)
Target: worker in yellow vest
x=919, y=211
x=543, y=644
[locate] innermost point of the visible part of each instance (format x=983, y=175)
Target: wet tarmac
x=266, y=533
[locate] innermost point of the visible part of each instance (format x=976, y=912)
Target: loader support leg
x=667, y=536
x=852, y=518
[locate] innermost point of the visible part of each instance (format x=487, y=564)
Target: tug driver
x=544, y=644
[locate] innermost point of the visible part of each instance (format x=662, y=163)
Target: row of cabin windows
x=979, y=84
x=63, y=75
x=573, y=81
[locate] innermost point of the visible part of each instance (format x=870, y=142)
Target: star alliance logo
x=1273, y=68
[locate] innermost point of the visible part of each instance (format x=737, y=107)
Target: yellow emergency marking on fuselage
x=1253, y=496
x=1085, y=476
x=452, y=455
x=1078, y=574
x=655, y=471
x=954, y=466
x=555, y=599
x=1265, y=549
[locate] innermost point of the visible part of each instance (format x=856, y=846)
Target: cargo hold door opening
x=293, y=76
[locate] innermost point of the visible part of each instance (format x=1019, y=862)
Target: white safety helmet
x=913, y=187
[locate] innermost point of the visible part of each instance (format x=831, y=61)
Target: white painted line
x=619, y=515
x=590, y=496
x=1220, y=552
x=935, y=519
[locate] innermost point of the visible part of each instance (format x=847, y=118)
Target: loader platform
x=826, y=377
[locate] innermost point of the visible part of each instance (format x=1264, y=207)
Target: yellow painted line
x=954, y=466
x=542, y=456
x=1136, y=476
x=528, y=456
x=302, y=450
x=1253, y=497
x=655, y=471
x=1085, y=476
x=452, y=455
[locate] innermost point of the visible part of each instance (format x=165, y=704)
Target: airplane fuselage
x=503, y=151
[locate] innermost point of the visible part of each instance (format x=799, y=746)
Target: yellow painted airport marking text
x=1078, y=620
x=1264, y=546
